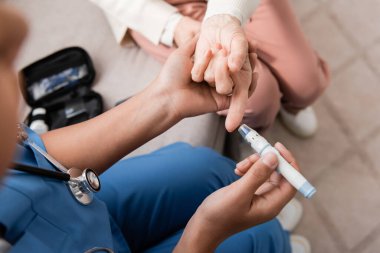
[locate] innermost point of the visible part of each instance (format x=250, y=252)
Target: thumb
x=259, y=172
x=222, y=112
x=188, y=48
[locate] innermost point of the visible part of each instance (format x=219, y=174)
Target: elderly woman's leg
x=276, y=33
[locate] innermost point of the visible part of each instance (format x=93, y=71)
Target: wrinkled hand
x=186, y=29
x=226, y=31
x=245, y=83
x=258, y=196
x=186, y=98
x=230, y=74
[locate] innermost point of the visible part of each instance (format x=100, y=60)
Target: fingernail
x=242, y=163
x=238, y=172
x=270, y=160
x=280, y=145
x=195, y=74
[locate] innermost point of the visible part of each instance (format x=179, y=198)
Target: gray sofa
x=121, y=71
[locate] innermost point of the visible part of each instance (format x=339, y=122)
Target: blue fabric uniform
x=143, y=206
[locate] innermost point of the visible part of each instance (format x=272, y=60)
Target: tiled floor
x=343, y=159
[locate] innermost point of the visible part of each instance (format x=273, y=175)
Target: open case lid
x=53, y=77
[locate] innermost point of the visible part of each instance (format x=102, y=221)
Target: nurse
x=179, y=198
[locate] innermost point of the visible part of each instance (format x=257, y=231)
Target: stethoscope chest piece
x=83, y=184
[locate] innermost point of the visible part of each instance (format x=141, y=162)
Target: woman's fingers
x=203, y=65
x=223, y=81
x=286, y=154
x=257, y=174
x=273, y=181
x=202, y=58
x=240, y=95
x=201, y=62
x=276, y=198
x=209, y=75
x=243, y=166
x=222, y=113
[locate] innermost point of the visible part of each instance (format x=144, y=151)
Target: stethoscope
x=82, y=183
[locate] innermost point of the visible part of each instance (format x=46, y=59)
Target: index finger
x=286, y=154
x=235, y=114
x=239, y=99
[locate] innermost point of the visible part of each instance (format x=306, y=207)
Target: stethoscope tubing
x=82, y=183
x=40, y=172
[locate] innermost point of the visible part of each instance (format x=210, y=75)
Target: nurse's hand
x=186, y=98
x=186, y=30
x=189, y=99
x=224, y=30
x=13, y=30
x=251, y=200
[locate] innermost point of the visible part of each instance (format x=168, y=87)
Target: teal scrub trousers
x=152, y=197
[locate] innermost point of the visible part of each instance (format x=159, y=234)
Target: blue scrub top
x=41, y=215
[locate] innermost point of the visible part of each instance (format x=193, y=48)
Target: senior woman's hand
x=227, y=31
x=258, y=196
x=230, y=75
x=245, y=83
